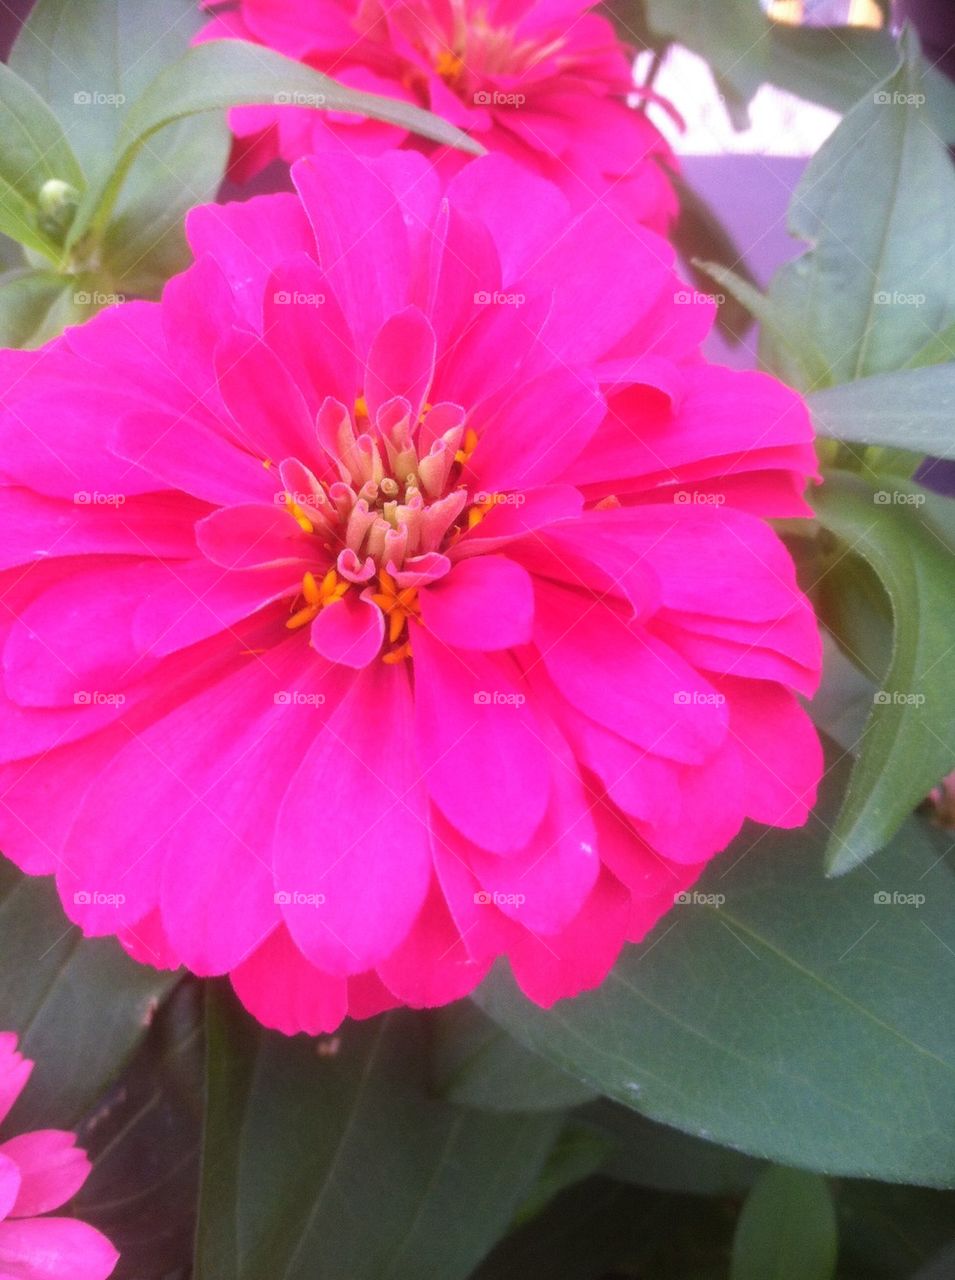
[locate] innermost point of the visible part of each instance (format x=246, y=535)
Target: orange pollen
x=468, y=445
x=318, y=595
x=449, y=66
x=398, y=604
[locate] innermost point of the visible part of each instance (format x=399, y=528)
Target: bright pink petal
x=9, y=1185
x=432, y=966
x=54, y=1249
x=14, y=1073
x=484, y=603
x=284, y=991
x=579, y=958
x=352, y=863
x=52, y=1170
x=401, y=362
x=350, y=631
x=481, y=750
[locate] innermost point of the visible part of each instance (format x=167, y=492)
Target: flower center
x=383, y=506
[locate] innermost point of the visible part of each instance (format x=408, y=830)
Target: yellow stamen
x=448, y=65
x=361, y=407
x=398, y=655
x=298, y=515
x=397, y=604
x=470, y=443
x=317, y=597
x=480, y=509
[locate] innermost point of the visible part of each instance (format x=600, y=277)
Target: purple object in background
x=12, y=13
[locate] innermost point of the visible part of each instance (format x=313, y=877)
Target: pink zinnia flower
x=396, y=594
x=544, y=81
x=40, y=1172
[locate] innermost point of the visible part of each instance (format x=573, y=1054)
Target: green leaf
x=476, y=1064
x=181, y=167
x=34, y=306
x=889, y=1231
x=230, y=73
x=34, y=152
x=733, y=36
x=938, y=350
x=89, y=60
x=799, y=360
x=802, y=1020
x=909, y=740
x=328, y=1159
x=787, y=1229
x=578, y=1153
x=910, y=409
x=81, y=1007
x=144, y=1139
x=654, y=1155
x=877, y=205
x=598, y=1229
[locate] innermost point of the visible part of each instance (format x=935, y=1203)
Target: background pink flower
x=544, y=81
x=40, y=1172
x=397, y=595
